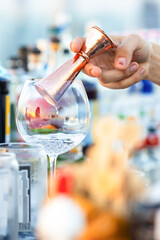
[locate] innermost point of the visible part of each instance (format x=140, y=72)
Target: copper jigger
x=54, y=86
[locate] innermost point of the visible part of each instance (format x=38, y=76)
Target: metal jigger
x=53, y=86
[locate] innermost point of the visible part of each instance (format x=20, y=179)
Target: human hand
x=122, y=66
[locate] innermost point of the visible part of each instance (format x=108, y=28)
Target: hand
x=122, y=66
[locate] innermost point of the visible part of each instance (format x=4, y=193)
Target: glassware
x=8, y=196
x=59, y=128
x=32, y=184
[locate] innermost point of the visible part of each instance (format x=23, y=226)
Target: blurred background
x=35, y=36
x=23, y=22
x=34, y=40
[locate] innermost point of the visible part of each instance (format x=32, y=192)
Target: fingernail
x=71, y=44
x=77, y=40
x=133, y=68
x=122, y=61
x=141, y=71
x=92, y=72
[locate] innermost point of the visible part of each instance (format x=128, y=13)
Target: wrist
x=154, y=64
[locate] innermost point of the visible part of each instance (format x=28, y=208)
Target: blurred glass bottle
x=8, y=196
x=54, y=55
x=16, y=73
x=147, y=157
x=4, y=110
x=32, y=184
x=35, y=63
x=152, y=166
x=145, y=214
x=66, y=55
x=23, y=56
x=62, y=28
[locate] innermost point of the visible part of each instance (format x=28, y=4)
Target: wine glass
x=59, y=128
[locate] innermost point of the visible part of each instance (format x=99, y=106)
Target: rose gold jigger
x=54, y=86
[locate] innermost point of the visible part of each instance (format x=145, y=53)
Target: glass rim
x=19, y=146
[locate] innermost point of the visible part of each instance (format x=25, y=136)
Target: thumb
x=125, y=50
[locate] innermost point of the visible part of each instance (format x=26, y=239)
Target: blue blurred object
x=144, y=87
x=147, y=87
x=4, y=73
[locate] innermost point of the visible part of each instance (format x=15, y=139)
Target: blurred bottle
x=59, y=40
x=62, y=56
x=62, y=28
x=17, y=73
x=8, y=196
x=32, y=185
x=53, y=31
x=4, y=110
x=145, y=215
x=65, y=34
x=35, y=63
x=153, y=153
x=66, y=55
x=147, y=156
x=42, y=45
x=150, y=14
x=143, y=93
x=136, y=101
x=23, y=56
x=54, y=56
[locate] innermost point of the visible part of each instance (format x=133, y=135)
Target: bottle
x=32, y=184
x=66, y=54
x=4, y=110
x=35, y=63
x=16, y=82
x=54, y=54
x=146, y=155
x=8, y=196
x=23, y=56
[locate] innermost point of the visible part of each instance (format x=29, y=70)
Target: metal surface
x=54, y=86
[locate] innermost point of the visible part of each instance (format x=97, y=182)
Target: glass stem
x=52, y=177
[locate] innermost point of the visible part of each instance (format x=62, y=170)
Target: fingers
x=89, y=69
x=92, y=70
x=136, y=77
x=77, y=44
x=107, y=76
x=126, y=66
x=114, y=75
x=126, y=49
